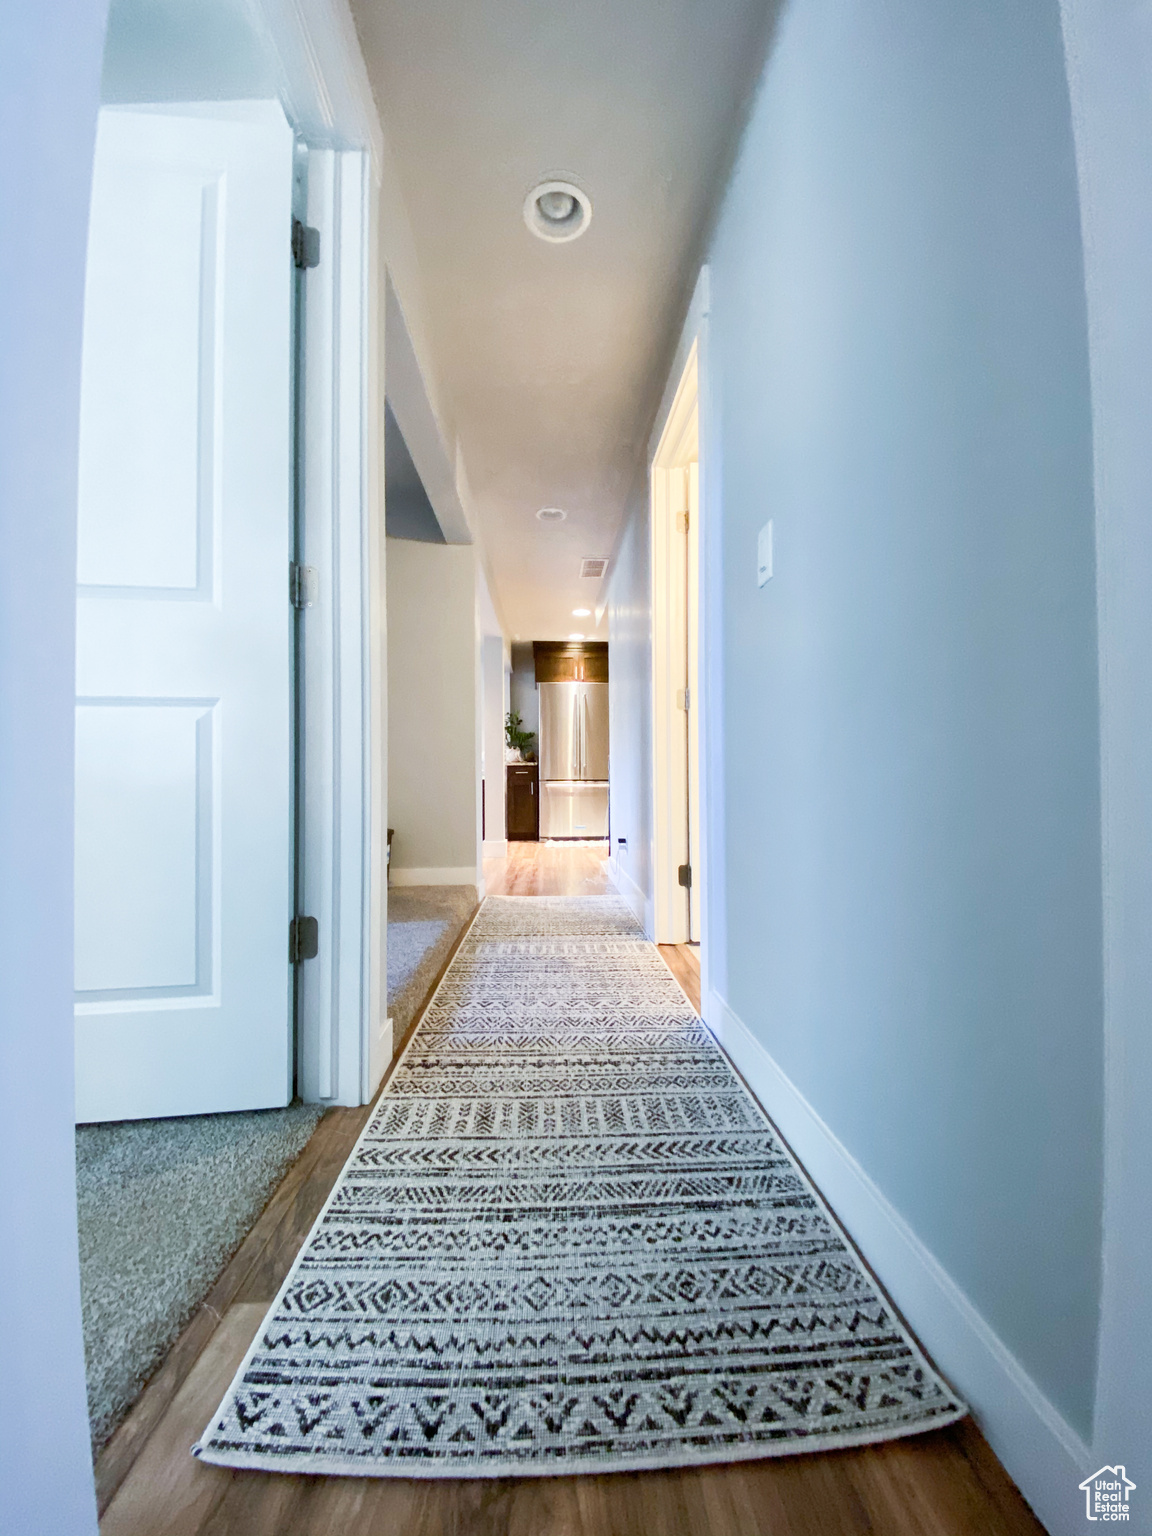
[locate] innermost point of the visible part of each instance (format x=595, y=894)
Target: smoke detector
x=593, y=567
x=551, y=515
x=557, y=211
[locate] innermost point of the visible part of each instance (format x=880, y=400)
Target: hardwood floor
x=947, y=1483
x=944, y=1484
x=549, y=869
x=683, y=960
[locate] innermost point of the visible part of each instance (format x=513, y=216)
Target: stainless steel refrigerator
x=574, y=760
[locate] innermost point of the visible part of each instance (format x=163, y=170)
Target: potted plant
x=518, y=740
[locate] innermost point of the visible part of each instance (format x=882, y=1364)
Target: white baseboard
x=1040, y=1449
x=630, y=891
x=465, y=875
x=495, y=847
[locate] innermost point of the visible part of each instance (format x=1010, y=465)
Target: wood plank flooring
x=683, y=960
x=549, y=869
x=947, y=1483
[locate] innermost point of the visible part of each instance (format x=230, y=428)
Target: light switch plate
x=764, y=554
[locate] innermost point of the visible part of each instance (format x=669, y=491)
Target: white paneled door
x=183, y=717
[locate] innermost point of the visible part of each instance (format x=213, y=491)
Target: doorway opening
x=676, y=668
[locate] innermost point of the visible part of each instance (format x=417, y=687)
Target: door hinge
x=303, y=939
x=683, y=698
x=680, y=496
x=302, y=585
x=681, y=522
x=305, y=245
x=684, y=874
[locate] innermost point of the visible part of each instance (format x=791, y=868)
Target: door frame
x=687, y=422
x=677, y=448
x=335, y=1023
x=343, y=1035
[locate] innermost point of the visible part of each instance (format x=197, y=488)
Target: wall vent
x=593, y=567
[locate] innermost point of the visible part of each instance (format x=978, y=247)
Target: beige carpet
x=424, y=921
x=162, y=1205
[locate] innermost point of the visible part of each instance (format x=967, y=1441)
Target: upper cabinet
x=566, y=661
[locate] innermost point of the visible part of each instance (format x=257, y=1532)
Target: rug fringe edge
x=315, y=1465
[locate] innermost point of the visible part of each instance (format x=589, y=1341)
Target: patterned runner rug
x=569, y=1241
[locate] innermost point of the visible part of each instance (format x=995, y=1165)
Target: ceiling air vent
x=593, y=567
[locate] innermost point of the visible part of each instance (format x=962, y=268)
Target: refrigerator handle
x=583, y=733
x=577, y=745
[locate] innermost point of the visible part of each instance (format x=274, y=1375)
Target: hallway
x=943, y=1483
x=769, y=377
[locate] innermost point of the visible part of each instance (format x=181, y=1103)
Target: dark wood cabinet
x=566, y=661
x=523, y=802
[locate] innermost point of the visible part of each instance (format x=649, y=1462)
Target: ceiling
x=551, y=357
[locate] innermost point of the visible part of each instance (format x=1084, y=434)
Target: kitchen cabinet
x=559, y=661
x=523, y=802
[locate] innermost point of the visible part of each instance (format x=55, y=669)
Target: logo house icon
x=1106, y=1494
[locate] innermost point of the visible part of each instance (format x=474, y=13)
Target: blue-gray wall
x=408, y=513
x=186, y=50
x=49, y=92
x=899, y=362
x=523, y=697
x=1109, y=50
x=630, y=698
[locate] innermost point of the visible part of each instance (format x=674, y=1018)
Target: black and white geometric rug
x=569, y=1241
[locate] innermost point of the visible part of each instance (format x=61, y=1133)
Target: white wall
x=50, y=60
x=433, y=718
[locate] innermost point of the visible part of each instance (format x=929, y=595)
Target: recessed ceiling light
x=551, y=514
x=577, y=636
x=581, y=613
x=557, y=211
